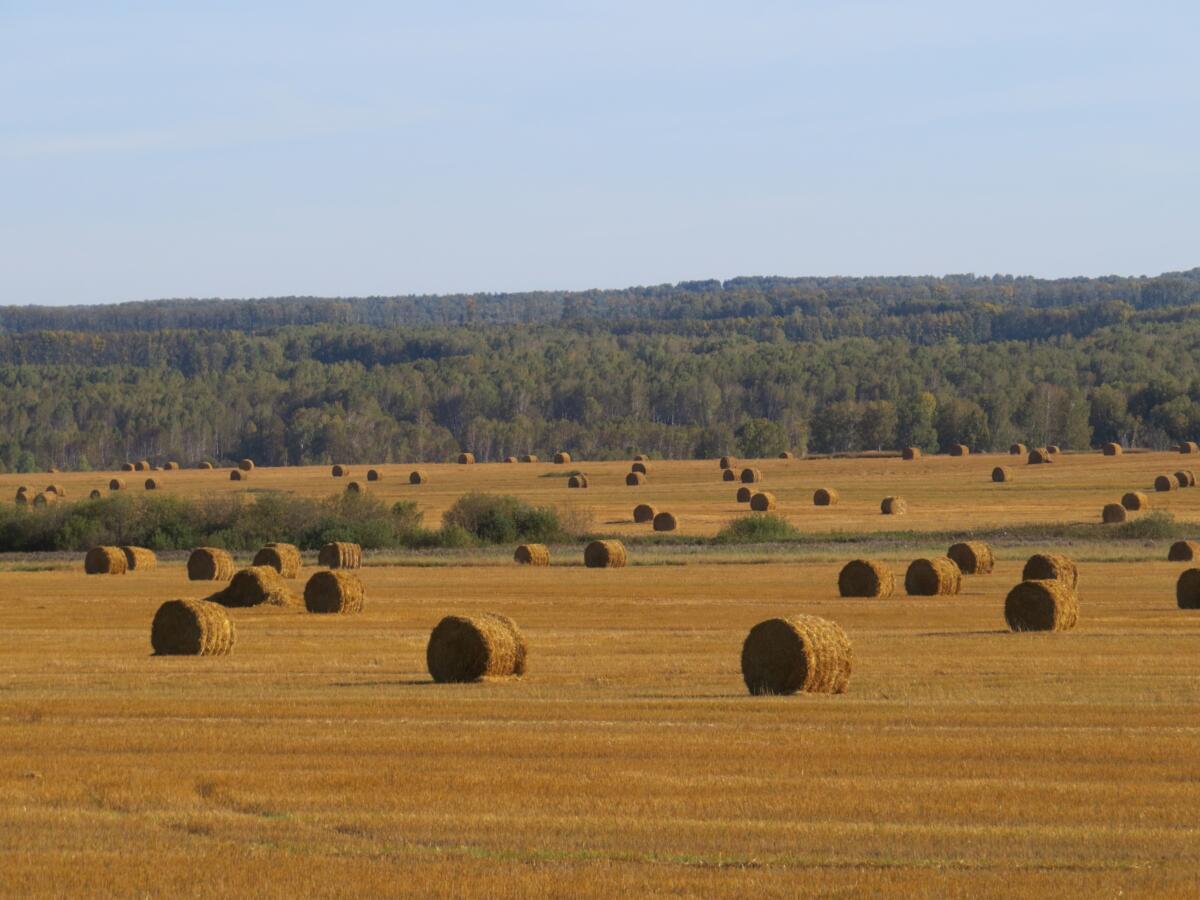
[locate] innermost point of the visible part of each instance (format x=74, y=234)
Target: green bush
x=757, y=528
x=1158, y=525
x=501, y=519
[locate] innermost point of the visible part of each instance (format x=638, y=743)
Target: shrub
x=501, y=519
x=757, y=529
x=1158, y=525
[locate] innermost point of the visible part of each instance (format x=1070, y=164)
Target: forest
x=751, y=366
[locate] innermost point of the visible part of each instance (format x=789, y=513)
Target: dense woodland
x=750, y=366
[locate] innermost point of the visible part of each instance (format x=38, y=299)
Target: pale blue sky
x=244, y=149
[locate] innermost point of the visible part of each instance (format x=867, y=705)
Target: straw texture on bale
x=283, y=558
x=728, y=462
x=562, y=458
x=787, y=454
x=418, y=476
x=95, y=494
x=532, y=555
x=866, y=578
x=935, y=577
x=744, y=494
x=910, y=453
x=205, y=465
x=798, y=654
x=1040, y=456
x=1113, y=513
x=1183, y=551
x=466, y=459
x=972, y=557
x=529, y=458
x=170, y=466
x=639, y=467
x=644, y=512
x=116, y=484
x=209, y=564
x=633, y=479
x=465, y=649
x=605, y=555
x=1187, y=589
x=1113, y=449
x=374, y=475
x=666, y=521
x=45, y=498
x=246, y=465
x=1054, y=449
x=153, y=484
x=256, y=586
x=763, y=501
x=128, y=467
x=1189, y=447
x=1018, y=449
x=825, y=497
x=1041, y=605
x=960, y=450
x=893, y=506
x=1164, y=483
x=728, y=475
x=105, y=561
x=334, y=592
x=1186, y=478
x=238, y=475
x=140, y=559
x=340, y=555
x=577, y=481
x=1001, y=474
x=355, y=487
x=340, y=471
x=192, y=628
x=1052, y=567
x=751, y=476
x=1134, y=500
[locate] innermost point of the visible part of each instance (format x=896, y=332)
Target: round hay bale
x=1187, y=589
x=1134, y=501
x=1165, y=483
x=510, y=459
x=532, y=555
x=355, y=487
x=56, y=489
x=205, y=465
x=728, y=475
x=893, y=506
x=466, y=459
x=751, y=476
x=960, y=450
x=866, y=578
x=418, y=476
x=666, y=521
x=639, y=467
x=23, y=499
x=935, y=577
x=729, y=462
x=256, y=586
x=192, y=628
x=633, y=479
x=95, y=494
x=1185, y=478
x=1018, y=450
x=142, y=466
x=283, y=558
x=1041, y=605
x=529, y=458
x=1051, y=567
x=787, y=454
x=910, y=453
x=825, y=497
x=1189, y=447
x=972, y=557
x=1001, y=474
x=140, y=559
x=105, y=561
x=762, y=501
x=239, y=475
x=744, y=494
x=562, y=458
x=246, y=465
x=374, y=475
x=1183, y=551
x=128, y=467
x=605, y=555
x=170, y=466
x=153, y=484
x=334, y=592
x=1053, y=449
x=465, y=649
x=209, y=564
x=1040, y=456
x=340, y=555
x=1113, y=513
x=45, y=498
x=644, y=512
x=340, y=471
x=796, y=654
x=642, y=457
x=577, y=481
x=116, y=484
x=1112, y=448
x=22, y=489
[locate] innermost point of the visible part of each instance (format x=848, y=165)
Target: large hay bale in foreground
x=893, y=506
x=1112, y=448
x=750, y=475
x=866, y=578
x=340, y=555
x=1041, y=605
x=729, y=462
x=960, y=450
x=256, y=586
x=1040, y=456
x=666, y=521
x=418, y=476
x=466, y=459
x=1018, y=450
x=532, y=555
x=1113, y=513
x=1183, y=551
x=1051, y=567
x=1134, y=501
x=562, y=458
x=935, y=577
x=464, y=649
x=340, y=471
x=153, y=484
x=374, y=475
x=209, y=564
x=633, y=479
x=972, y=557
x=728, y=475
x=192, y=628
x=640, y=467
x=105, y=561
x=644, y=512
x=762, y=501
x=1001, y=474
x=1185, y=478
x=239, y=475
x=283, y=558
x=116, y=484
x=825, y=497
x=140, y=559
x=577, y=481
x=744, y=494
x=1165, y=483
x=1187, y=589
x=605, y=555
x=246, y=465
x=910, y=453
x=796, y=654
x=334, y=592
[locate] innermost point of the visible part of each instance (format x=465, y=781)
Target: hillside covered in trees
x=751, y=366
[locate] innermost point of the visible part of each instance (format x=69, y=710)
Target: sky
x=251, y=149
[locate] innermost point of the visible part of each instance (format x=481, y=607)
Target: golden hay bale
x=142, y=466
x=1112, y=448
x=1189, y=447
x=1135, y=500
x=728, y=462
x=1041, y=605
x=762, y=501
x=1186, y=478
x=128, y=467
x=893, y=506
x=639, y=467
x=532, y=555
x=644, y=512
x=642, y=457
x=355, y=487
x=1113, y=513
x=529, y=458
x=56, y=489
x=139, y=559
x=466, y=458
x=170, y=466
x=340, y=471
x=1053, y=449
x=95, y=494
x=633, y=479
x=116, y=484
x=511, y=459
x=825, y=497
x=1050, y=567
x=1018, y=450
x=796, y=654
x=910, y=453
x=45, y=498
x=238, y=475
x=960, y=450
x=866, y=578
x=728, y=475
x=205, y=465
x=340, y=555
x=105, y=561
x=1001, y=474
x=972, y=557
x=153, y=484
x=1164, y=483
x=23, y=499
x=255, y=586
x=577, y=481
x=418, y=476
x=1040, y=456
x=1187, y=589
x=605, y=555
x=787, y=454
x=933, y=577
x=334, y=592
x=374, y=475
x=750, y=476
x=192, y=628
x=246, y=465
x=283, y=558
x=209, y=564
x=744, y=494
x=666, y=521
x=1183, y=551
x=562, y=458
x=464, y=649
x=23, y=489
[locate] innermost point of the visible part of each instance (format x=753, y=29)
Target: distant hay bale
x=577, y=481
x=466, y=459
x=605, y=555
x=1001, y=474
x=128, y=467
x=633, y=479
x=972, y=557
x=1112, y=448
x=1186, y=478
x=893, y=506
x=744, y=494
x=642, y=457
x=510, y=459
x=1051, y=566
x=205, y=465
x=56, y=489
x=1183, y=551
x=238, y=475
x=729, y=462
x=728, y=475
x=1113, y=513
x=53, y=470
x=340, y=555
x=171, y=466
x=1187, y=589
x=910, y=453
x=763, y=501
x=209, y=564
x=142, y=466
x=1189, y=447
x=644, y=512
x=105, y=561
x=529, y=458
x=796, y=654
x=866, y=578
x=1040, y=456
x=1041, y=605
x=139, y=559
x=825, y=497
x=256, y=586
x=192, y=628
x=153, y=484
x=338, y=592
x=340, y=471
x=246, y=465
x=960, y=450
x=935, y=577
x=374, y=475
x=562, y=458
x=751, y=476
x=95, y=494
x=116, y=484
x=45, y=498
x=666, y=521
x=1164, y=483
x=640, y=467
x=532, y=555
x=355, y=487
x=283, y=558
x=1053, y=449
x=466, y=649
x=1018, y=450
x=418, y=476
x=23, y=499
x=1135, y=500
x=787, y=454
